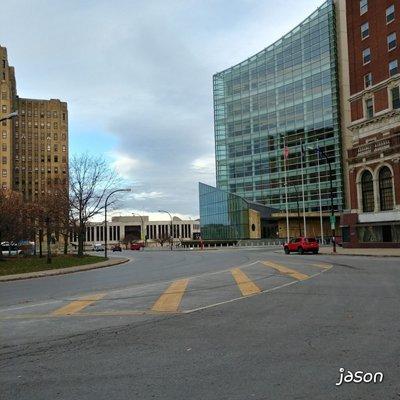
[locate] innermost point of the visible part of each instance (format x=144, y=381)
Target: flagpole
x=302, y=188
x=320, y=199
x=285, y=154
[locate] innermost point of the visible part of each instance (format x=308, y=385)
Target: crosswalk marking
x=78, y=305
x=170, y=300
x=246, y=286
x=285, y=270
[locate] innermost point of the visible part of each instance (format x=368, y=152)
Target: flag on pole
x=286, y=155
x=303, y=153
x=286, y=152
x=319, y=151
x=302, y=162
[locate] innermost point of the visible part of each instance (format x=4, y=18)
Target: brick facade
x=375, y=131
x=34, y=145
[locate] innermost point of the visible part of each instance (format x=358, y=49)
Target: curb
x=360, y=255
x=351, y=254
x=64, y=271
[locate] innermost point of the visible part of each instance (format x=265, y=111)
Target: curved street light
x=172, y=236
x=9, y=116
x=105, y=217
x=322, y=154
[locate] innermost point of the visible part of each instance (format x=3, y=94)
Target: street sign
x=332, y=219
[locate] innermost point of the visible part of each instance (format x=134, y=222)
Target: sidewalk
x=62, y=271
x=361, y=252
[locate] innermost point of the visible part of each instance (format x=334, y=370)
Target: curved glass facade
x=222, y=215
x=285, y=93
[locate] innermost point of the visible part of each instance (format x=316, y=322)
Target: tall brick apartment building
x=373, y=159
x=34, y=145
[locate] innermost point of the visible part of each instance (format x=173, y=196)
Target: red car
x=302, y=245
x=136, y=246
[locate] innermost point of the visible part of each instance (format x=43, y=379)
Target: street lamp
x=9, y=116
x=320, y=152
x=333, y=222
x=105, y=217
x=172, y=236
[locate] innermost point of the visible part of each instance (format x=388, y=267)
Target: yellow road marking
x=246, y=286
x=321, y=265
x=78, y=305
x=170, y=300
x=285, y=270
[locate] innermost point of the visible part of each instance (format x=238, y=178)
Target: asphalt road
x=224, y=324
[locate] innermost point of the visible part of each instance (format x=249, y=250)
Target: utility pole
x=172, y=235
x=105, y=217
x=333, y=221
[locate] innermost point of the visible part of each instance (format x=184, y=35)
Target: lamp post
x=333, y=222
x=105, y=217
x=9, y=116
x=172, y=236
x=298, y=209
x=320, y=152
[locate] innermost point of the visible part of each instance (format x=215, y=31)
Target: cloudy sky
x=137, y=76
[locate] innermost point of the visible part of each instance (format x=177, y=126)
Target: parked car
x=116, y=247
x=12, y=249
x=137, y=246
x=98, y=247
x=302, y=245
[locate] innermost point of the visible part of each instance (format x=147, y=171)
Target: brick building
x=373, y=215
x=34, y=145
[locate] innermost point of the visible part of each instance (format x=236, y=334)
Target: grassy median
x=20, y=265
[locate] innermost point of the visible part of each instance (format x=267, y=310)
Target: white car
x=97, y=247
x=13, y=250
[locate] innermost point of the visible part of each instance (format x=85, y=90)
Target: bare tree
x=91, y=179
x=15, y=221
x=165, y=238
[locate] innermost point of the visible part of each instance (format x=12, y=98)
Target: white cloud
x=124, y=165
x=205, y=164
x=147, y=195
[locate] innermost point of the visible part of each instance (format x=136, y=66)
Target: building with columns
x=128, y=229
x=373, y=215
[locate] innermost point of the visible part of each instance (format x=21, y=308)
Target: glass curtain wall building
x=223, y=215
x=287, y=93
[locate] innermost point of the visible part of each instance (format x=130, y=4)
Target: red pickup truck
x=302, y=245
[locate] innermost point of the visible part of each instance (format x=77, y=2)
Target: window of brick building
x=391, y=41
x=369, y=108
x=367, y=80
x=366, y=55
x=395, y=97
x=393, y=67
x=364, y=30
x=367, y=192
x=390, y=14
x=363, y=6
x=385, y=189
